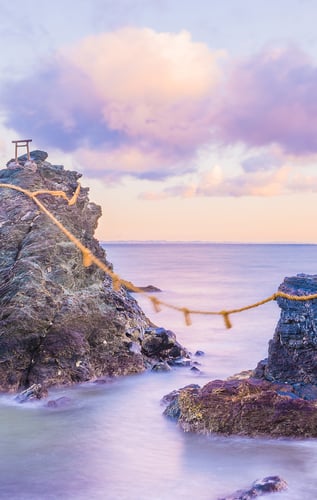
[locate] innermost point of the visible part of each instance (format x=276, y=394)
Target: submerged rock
x=62, y=402
x=162, y=366
x=61, y=322
x=279, y=397
x=199, y=353
x=270, y=484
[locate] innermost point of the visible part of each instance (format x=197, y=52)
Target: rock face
x=293, y=351
x=279, y=397
x=61, y=322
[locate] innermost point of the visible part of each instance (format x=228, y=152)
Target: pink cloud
x=213, y=183
x=271, y=98
x=140, y=103
x=135, y=95
x=126, y=160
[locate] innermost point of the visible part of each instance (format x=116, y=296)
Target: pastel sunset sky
x=189, y=119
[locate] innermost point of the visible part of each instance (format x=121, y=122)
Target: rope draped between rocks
x=89, y=258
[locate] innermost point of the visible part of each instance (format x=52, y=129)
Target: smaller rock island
x=277, y=398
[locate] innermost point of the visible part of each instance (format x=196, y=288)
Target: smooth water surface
x=112, y=441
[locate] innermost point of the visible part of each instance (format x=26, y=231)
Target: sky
x=189, y=119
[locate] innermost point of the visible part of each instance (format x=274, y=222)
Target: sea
x=112, y=442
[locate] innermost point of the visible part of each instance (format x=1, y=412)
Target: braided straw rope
x=89, y=258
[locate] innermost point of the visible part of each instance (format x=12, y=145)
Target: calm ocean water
x=113, y=443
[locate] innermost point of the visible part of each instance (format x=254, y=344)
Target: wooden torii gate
x=22, y=143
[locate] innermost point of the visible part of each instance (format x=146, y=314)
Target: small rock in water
x=104, y=380
x=199, y=353
x=35, y=391
x=180, y=362
x=59, y=402
x=149, y=289
x=260, y=487
x=195, y=369
x=161, y=367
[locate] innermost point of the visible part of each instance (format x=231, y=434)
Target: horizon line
x=182, y=242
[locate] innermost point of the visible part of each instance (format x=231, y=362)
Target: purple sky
x=169, y=104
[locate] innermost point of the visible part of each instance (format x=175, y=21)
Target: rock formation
x=292, y=354
x=61, y=322
x=279, y=397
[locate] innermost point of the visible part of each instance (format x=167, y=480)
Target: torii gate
x=22, y=143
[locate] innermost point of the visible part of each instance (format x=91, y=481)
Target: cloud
x=281, y=181
x=132, y=94
x=135, y=102
x=270, y=98
x=264, y=161
x=259, y=183
x=128, y=160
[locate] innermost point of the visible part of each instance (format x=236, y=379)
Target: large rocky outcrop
x=61, y=322
x=279, y=397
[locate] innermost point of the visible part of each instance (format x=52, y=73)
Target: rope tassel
x=187, y=317
x=73, y=199
x=226, y=319
x=116, y=283
x=156, y=304
x=87, y=259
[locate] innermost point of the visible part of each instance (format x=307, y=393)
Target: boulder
x=161, y=343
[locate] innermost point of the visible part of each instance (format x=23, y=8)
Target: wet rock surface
x=61, y=322
x=270, y=484
x=279, y=397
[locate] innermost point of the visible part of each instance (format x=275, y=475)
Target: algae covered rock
x=61, y=322
x=249, y=407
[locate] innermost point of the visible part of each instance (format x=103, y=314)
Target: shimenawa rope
x=89, y=258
